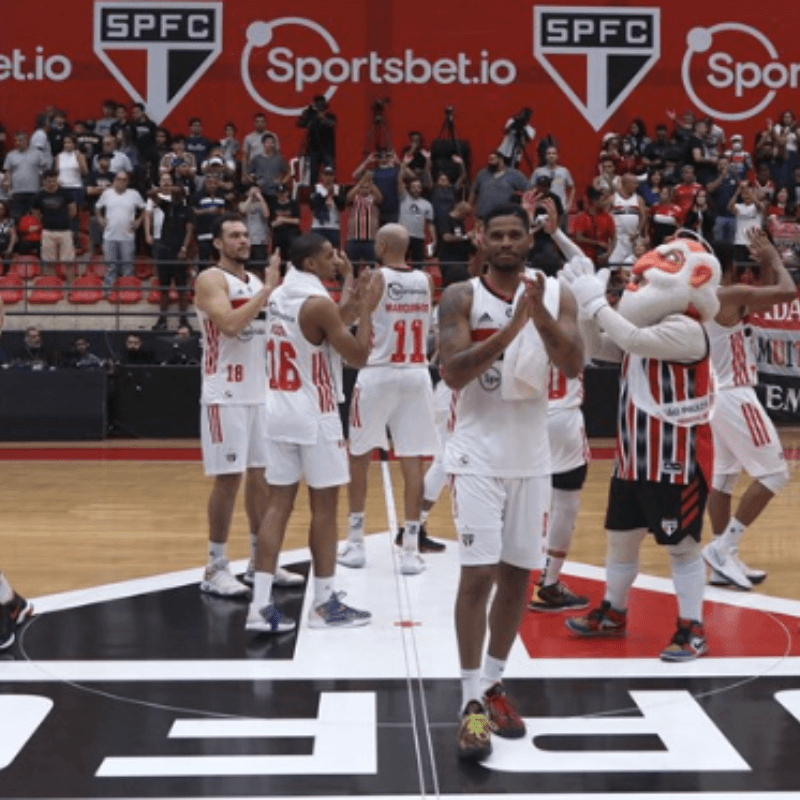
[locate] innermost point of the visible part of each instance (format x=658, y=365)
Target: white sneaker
x=218, y=580
x=411, y=563
x=354, y=555
x=249, y=576
x=725, y=563
x=268, y=620
x=753, y=575
x=284, y=578
x=335, y=614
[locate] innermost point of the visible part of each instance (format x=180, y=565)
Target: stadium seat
x=26, y=267
x=12, y=288
x=47, y=289
x=333, y=290
x=96, y=268
x=436, y=274
x=126, y=290
x=144, y=269
x=154, y=295
x=86, y=290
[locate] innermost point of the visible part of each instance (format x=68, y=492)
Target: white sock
x=732, y=535
x=619, y=579
x=323, y=589
x=493, y=669
x=262, y=589
x=423, y=517
x=563, y=517
x=470, y=686
x=217, y=551
x=253, y=546
x=411, y=536
x=689, y=578
x=355, y=528
x=6, y=592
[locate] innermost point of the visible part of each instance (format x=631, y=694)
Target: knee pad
x=775, y=481
x=724, y=483
x=623, y=546
x=685, y=551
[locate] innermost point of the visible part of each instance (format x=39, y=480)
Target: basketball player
x=744, y=436
x=630, y=216
x=498, y=457
x=230, y=306
x=307, y=338
x=569, y=452
x=14, y=610
x=664, y=455
x=394, y=391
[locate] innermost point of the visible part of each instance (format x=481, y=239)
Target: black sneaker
x=161, y=324
x=19, y=609
x=426, y=544
x=7, y=627
x=556, y=597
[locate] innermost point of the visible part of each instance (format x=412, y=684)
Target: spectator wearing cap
x=207, y=204
x=495, y=185
x=285, y=215
x=594, y=229
x=269, y=168
x=327, y=201
x=561, y=182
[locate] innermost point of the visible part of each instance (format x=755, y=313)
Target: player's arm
x=463, y=360
x=561, y=336
x=211, y=297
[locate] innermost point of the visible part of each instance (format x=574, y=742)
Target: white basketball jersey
x=732, y=355
x=234, y=368
x=402, y=320
x=625, y=211
x=304, y=378
x=563, y=392
x=490, y=435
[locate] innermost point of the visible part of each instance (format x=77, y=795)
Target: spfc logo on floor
x=178, y=42
x=598, y=56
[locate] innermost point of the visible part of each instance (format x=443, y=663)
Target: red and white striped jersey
x=234, y=368
x=563, y=392
x=732, y=355
x=304, y=379
x=402, y=320
x=651, y=448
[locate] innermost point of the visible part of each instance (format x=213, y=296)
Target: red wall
x=584, y=45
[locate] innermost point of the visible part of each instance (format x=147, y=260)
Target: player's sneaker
x=755, y=576
x=219, y=581
x=7, y=627
x=426, y=544
x=283, y=577
x=268, y=620
x=19, y=609
x=335, y=614
x=353, y=555
x=603, y=621
x=505, y=720
x=724, y=561
x=474, y=733
x=556, y=597
x=411, y=563
x=688, y=643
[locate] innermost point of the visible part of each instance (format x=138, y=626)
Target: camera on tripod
x=378, y=107
x=520, y=120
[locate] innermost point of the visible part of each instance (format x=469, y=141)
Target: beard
x=493, y=167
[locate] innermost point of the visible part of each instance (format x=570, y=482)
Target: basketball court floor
x=130, y=684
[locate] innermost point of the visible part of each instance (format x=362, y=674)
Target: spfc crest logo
x=158, y=51
x=598, y=56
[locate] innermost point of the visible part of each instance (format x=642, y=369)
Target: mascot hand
x=576, y=267
x=590, y=292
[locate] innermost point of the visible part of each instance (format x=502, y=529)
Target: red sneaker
x=505, y=720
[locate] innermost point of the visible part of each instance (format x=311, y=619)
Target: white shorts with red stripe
x=400, y=399
x=568, y=446
x=233, y=438
x=744, y=436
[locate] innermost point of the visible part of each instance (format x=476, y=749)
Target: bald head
x=391, y=244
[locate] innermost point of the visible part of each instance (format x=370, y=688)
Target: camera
x=379, y=106
x=521, y=119
x=448, y=111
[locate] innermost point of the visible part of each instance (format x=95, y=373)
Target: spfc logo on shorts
x=597, y=56
x=180, y=41
x=669, y=526
x=231, y=458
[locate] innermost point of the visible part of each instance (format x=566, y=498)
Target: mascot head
x=679, y=277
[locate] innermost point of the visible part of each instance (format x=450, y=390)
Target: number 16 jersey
x=235, y=367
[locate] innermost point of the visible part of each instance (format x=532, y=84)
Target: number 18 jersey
x=235, y=368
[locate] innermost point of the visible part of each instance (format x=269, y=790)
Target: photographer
x=517, y=134
x=320, y=145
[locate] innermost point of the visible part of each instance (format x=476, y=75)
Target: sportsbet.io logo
x=180, y=40
x=286, y=61
x=732, y=71
x=597, y=56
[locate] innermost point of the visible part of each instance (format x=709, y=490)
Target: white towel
x=526, y=366
x=299, y=284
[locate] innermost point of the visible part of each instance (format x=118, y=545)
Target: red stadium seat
x=333, y=289
x=144, y=270
x=12, y=288
x=26, y=267
x=126, y=290
x=96, y=268
x=86, y=290
x=154, y=295
x=435, y=273
x=47, y=289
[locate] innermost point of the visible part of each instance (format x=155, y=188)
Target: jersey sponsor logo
x=671, y=467
x=180, y=40
x=597, y=56
x=490, y=380
x=396, y=291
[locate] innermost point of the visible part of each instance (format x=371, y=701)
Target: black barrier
x=52, y=405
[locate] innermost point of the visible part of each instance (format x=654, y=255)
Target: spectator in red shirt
x=685, y=192
x=594, y=229
x=664, y=217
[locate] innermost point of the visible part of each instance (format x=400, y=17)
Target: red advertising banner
x=583, y=69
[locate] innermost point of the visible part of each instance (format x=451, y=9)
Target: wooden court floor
x=69, y=524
